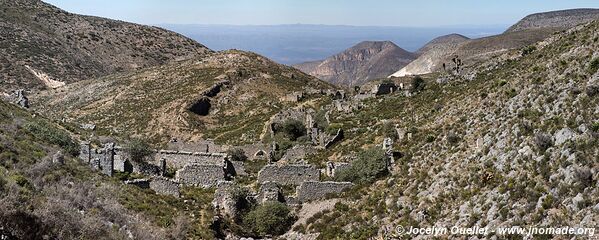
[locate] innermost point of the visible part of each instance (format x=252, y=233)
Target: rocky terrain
x=359, y=64
x=429, y=55
x=227, y=96
x=529, y=30
x=43, y=46
x=230, y=145
x=556, y=19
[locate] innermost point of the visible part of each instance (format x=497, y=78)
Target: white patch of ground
x=47, y=80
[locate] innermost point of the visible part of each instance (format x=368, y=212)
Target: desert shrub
x=138, y=150
x=452, y=138
x=528, y=50
x=239, y=195
x=237, y=154
x=370, y=166
x=389, y=131
x=543, y=141
x=592, y=91
x=22, y=225
x=594, y=66
x=418, y=84
x=3, y=183
x=272, y=218
x=45, y=132
x=293, y=129
x=321, y=120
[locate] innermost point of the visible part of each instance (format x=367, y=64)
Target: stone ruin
x=270, y=191
x=202, y=105
x=384, y=88
x=335, y=167
x=18, y=97
x=317, y=137
x=201, y=175
x=288, y=174
x=160, y=185
x=298, y=152
x=310, y=191
x=165, y=186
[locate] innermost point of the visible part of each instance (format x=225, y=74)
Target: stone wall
x=179, y=159
x=309, y=191
x=165, y=186
x=337, y=138
x=201, y=175
x=288, y=174
x=336, y=167
x=298, y=152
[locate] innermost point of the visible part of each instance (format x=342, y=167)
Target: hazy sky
x=419, y=13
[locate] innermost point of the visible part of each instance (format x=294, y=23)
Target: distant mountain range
x=299, y=43
x=359, y=64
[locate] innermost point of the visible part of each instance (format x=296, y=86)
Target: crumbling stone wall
x=337, y=138
x=288, y=174
x=309, y=191
x=107, y=161
x=179, y=159
x=201, y=175
x=141, y=183
x=298, y=152
x=270, y=191
x=223, y=201
x=165, y=186
x=384, y=88
x=335, y=167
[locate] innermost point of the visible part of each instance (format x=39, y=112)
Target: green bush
x=269, y=219
x=594, y=66
x=321, y=120
x=45, y=132
x=389, y=131
x=528, y=50
x=293, y=129
x=370, y=166
x=418, y=84
x=138, y=150
x=237, y=154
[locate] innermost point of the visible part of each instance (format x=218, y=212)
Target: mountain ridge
x=40, y=42
x=357, y=65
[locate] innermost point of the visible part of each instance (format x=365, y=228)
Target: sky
x=407, y=13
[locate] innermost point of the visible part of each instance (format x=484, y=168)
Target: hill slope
x=44, y=199
x=515, y=146
x=556, y=19
x=41, y=45
x=438, y=48
x=234, y=94
x=360, y=63
x=528, y=31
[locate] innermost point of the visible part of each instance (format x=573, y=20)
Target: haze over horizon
x=427, y=13
x=292, y=32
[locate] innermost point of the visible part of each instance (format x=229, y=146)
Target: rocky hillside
x=438, y=48
x=359, y=64
x=43, y=46
x=528, y=31
x=517, y=145
x=227, y=96
x=556, y=19
x=47, y=193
